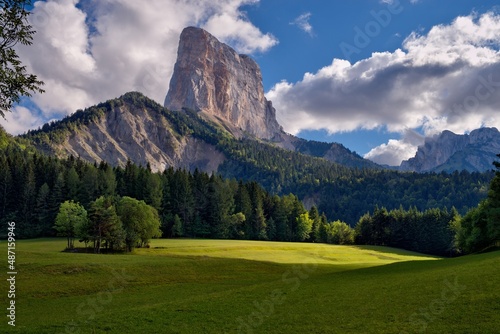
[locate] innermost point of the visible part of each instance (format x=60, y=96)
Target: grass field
x=207, y=286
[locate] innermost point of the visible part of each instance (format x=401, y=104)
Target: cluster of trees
x=436, y=231
x=428, y=232
x=479, y=229
x=117, y=223
x=208, y=206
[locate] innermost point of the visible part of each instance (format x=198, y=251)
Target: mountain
x=135, y=128
x=226, y=88
x=211, y=86
x=131, y=127
x=448, y=152
x=210, y=77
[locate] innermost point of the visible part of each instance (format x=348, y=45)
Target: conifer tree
x=5, y=186
x=72, y=183
x=27, y=203
x=42, y=210
x=314, y=216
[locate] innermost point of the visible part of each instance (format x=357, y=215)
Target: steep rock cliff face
x=211, y=77
x=474, y=152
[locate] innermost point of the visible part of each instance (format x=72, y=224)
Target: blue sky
x=374, y=75
x=333, y=23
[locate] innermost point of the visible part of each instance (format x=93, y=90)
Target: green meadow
x=223, y=286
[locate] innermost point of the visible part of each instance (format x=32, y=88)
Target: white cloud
x=20, y=119
x=447, y=79
x=396, y=150
x=303, y=23
x=89, y=51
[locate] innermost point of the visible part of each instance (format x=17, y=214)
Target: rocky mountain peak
x=211, y=77
x=448, y=151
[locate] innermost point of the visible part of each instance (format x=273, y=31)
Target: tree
x=106, y=180
x=242, y=200
x=493, y=228
x=89, y=185
x=72, y=183
x=5, y=186
x=304, y=226
x=182, y=200
x=314, y=216
x=106, y=224
x=339, y=233
x=140, y=222
x=28, y=198
x=364, y=230
x=177, y=227
x=84, y=231
x=471, y=231
x=152, y=188
x=55, y=198
x=480, y=227
x=256, y=227
x=42, y=213
x=220, y=205
x=15, y=29
x=70, y=215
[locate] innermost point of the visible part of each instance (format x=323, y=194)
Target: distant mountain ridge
x=449, y=152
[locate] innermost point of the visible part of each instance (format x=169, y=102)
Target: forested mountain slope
x=183, y=139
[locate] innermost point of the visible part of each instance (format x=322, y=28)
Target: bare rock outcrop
x=139, y=133
x=211, y=77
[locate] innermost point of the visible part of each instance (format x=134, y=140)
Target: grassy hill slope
x=204, y=286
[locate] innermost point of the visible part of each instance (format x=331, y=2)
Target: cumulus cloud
x=20, y=119
x=89, y=51
x=446, y=79
x=397, y=150
x=303, y=23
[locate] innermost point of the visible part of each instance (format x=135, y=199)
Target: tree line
x=436, y=231
x=37, y=190
x=200, y=205
x=430, y=231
